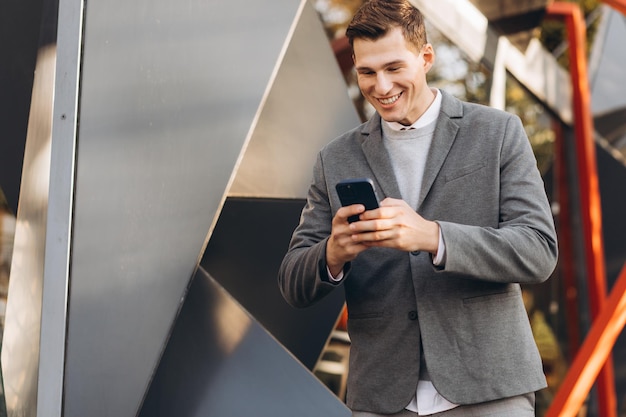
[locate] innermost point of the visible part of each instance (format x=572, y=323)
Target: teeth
x=389, y=100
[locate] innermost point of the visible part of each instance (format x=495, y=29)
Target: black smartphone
x=357, y=191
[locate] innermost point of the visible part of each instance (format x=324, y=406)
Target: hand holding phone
x=357, y=191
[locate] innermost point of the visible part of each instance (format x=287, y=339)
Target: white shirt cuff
x=332, y=278
x=440, y=256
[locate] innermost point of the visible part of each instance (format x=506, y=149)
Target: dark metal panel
x=244, y=254
x=20, y=23
x=612, y=178
x=221, y=362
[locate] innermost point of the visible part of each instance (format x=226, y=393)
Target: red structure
x=594, y=353
x=593, y=361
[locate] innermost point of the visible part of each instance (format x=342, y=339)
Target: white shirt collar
x=429, y=116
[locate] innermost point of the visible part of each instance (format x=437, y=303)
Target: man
x=431, y=278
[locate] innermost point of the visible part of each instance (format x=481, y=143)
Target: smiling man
x=431, y=277
x=392, y=75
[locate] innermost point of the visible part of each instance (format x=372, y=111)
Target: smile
x=390, y=100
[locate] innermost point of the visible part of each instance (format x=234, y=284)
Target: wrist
x=335, y=267
x=433, y=238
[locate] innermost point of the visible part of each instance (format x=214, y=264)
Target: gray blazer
x=482, y=186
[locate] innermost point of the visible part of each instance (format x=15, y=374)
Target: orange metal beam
x=589, y=189
x=619, y=5
x=585, y=150
x=594, y=352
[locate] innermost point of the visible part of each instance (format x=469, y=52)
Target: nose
x=383, y=84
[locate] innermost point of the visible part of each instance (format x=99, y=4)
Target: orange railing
x=593, y=362
x=592, y=356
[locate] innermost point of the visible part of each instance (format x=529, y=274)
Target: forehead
x=389, y=48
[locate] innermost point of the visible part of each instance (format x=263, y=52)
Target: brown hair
x=375, y=18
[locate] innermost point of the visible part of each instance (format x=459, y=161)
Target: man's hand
x=396, y=225
x=393, y=225
x=341, y=247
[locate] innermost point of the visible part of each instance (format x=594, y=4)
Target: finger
x=391, y=202
x=348, y=211
x=368, y=236
x=378, y=213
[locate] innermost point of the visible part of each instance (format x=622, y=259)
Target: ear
x=429, y=57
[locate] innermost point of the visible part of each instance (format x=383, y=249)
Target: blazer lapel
x=378, y=159
x=445, y=134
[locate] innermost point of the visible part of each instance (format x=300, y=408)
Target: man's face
x=392, y=76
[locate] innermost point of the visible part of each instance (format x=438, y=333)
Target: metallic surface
x=24, y=352
x=20, y=24
x=59, y=217
x=607, y=56
x=283, y=147
x=608, y=97
x=170, y=95
x=247, y=268
x=221, y=362
x=21, y=341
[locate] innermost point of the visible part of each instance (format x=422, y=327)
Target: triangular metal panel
x=308, y=106
x=221, y=362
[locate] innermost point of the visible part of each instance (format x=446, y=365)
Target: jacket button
x=413, y=315
x=415, y=252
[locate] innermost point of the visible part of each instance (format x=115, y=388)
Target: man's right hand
x=341, y=247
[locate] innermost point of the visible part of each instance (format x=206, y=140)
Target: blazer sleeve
x=302, y=276
x=523, y=247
